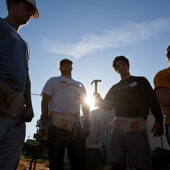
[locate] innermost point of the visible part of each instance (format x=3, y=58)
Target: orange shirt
x=162, y=79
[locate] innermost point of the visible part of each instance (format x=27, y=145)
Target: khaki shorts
x=132, y=148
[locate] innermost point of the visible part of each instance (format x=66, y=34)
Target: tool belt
x=128, y=124
x=63, y=120
x=11, y=103
x=76, y=131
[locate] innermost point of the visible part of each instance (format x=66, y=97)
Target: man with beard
x=61, y=100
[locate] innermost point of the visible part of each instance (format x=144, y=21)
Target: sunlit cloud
x=130, y=33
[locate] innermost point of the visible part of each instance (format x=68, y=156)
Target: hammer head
x=95, y=83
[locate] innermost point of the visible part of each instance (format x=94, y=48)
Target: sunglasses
x=117, y=65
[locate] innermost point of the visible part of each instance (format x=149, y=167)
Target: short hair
x=168, y=49
x=120, y=58
x=65, y=61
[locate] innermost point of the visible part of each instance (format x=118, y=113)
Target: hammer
x=95, y=83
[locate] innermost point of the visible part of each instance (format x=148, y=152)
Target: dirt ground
x=24, y=165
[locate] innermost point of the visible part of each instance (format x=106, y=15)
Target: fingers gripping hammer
x=95, y=83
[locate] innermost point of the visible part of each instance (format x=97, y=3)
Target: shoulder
x=2, y=22
x=50, y=83
x=163, y=72
x=140, y=79
x=78, y=83
x=162, y=78
x=4, y=26
x=115, y=86
x=53, y=79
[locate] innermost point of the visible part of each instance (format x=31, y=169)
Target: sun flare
x=90, y=101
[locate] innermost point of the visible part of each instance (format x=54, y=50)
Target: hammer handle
x=96, y=88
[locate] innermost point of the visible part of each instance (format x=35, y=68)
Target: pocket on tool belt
x=11, y=104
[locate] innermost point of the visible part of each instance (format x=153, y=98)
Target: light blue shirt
x=14, y=54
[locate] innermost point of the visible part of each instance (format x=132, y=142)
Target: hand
x=158, y=129
x=41, y=134
x=96, y=95
x=28, y=114
x=37, y=135
x=97, y=99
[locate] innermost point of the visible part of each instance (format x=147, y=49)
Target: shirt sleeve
x=161, y=80
x=82, y=93
x=48, y=88
x=83, y=90
x=85, y=107
x=153, y=103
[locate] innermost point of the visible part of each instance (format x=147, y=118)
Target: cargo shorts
x=130, y=148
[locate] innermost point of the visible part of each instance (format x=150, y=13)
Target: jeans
x=11, y=143
x=59, y=139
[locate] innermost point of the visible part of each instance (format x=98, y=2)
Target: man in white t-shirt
x=61, y=100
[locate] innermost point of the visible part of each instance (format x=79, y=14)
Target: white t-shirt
x=66, y=94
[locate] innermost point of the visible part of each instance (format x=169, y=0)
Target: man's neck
x=125, y=76
x=66, y=76
x=12, y=22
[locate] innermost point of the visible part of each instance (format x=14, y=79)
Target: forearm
x=153, y=104
x=156, y=110
x=86, y=112
x=163, y=96
x=44, y=108
x=44, y=104
x=105, y=105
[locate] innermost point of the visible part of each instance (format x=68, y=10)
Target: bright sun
x=90, y=101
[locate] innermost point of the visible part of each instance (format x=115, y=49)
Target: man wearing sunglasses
x=131, y=98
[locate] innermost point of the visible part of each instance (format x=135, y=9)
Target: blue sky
x=91, y=33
